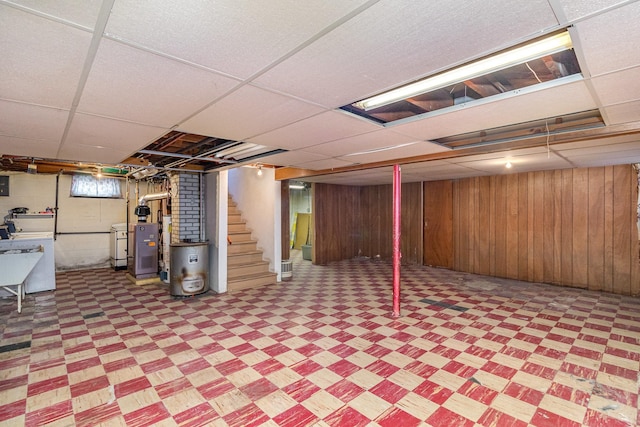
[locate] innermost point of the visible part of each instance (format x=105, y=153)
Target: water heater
x=143, y=250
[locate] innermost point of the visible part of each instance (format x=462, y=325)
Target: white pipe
x=153, y=196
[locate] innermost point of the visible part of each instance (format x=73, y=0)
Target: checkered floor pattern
x=321, y=350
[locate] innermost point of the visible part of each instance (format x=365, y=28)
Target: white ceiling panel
x=28, y=147
x=247, y=112
x=379, y=139
x=605, y=144
x=419, y=148
x=394, y=41
x=99, y=139
x=324, y=164
x=292, y=158
x=32, y=122
x=241, y=37
x=324, y=127
x=80, y=12
x=41, y=59
x=527, y=163
x=576, y=9
x=606, y=40
x=622, y=113
x=134, y=85
x=619, y=87
x=538, y=104
x=607, y=159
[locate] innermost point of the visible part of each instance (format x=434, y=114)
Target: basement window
x=91, y=186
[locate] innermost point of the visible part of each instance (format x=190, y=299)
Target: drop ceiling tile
x=604, y=149
x=81, y=12
x=606, y=159
x=622, y=113
x=510, y=109
x=618, y=87
x=237, y=38
x=32, y=122
x=28, y=147
x=419, y=148
x=247, y=112
x=576, y=9
x=131, y=84
x=395, y=42
x=324, y=127
x=360, y=143
x=526, y=163
x=100, y=139
x=292, y=158
x=41, y=59
x=597, y=143
x=606, y=40
x=324, y=164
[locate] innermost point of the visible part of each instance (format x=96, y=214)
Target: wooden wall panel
x=623, y=250
x=501, y=215
x=375, y=228
x=483, y=231
x=580, y=227
x=573, y=227
x=336, y=222
x=523, y=227
x=285, y=226
x=547, y=227
x=567, y=227
x=438, y=224
x=411, y=239
x=537, y=208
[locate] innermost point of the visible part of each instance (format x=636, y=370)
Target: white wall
x=75, y=215
x=216, y=208
x=258, y=198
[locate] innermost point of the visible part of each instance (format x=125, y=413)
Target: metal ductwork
x=142, y=211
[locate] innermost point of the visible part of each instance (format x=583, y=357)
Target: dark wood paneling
x=573, y=227
x=438, y=224
x=376, y=206
x=336, y=222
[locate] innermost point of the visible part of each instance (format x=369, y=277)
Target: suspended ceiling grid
x=98, y=81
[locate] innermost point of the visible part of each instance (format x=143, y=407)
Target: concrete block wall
x=186, y=202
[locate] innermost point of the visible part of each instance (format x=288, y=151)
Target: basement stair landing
x=246, y=267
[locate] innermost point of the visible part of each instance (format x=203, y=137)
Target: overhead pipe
x=153, y=196
x=142, y=210
x=396, y=239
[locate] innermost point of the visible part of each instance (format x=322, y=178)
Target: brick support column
x=185, y=207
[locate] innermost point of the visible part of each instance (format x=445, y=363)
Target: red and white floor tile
x=321, y=350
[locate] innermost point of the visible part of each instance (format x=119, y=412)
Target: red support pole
x=396, y=240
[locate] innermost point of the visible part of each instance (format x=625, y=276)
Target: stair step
x=234, y=217
x=244, y=269
x=240, y=236
x=242, y=247
x=236, y=226
x=233, y=210
x=243, y=258
x=251, y=281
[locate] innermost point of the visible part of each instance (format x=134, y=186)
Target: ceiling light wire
x=546, y=125
x=533, y=72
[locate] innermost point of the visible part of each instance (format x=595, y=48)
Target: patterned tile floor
x=321, y=350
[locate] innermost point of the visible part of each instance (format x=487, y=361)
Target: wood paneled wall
x=572, y=227
x=352, y=221
x=377, y=222
x=336, y=222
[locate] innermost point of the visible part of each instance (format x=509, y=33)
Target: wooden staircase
x=245, y=266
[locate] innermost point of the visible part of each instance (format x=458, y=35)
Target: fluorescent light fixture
x=296, y=186
x=537, y=49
